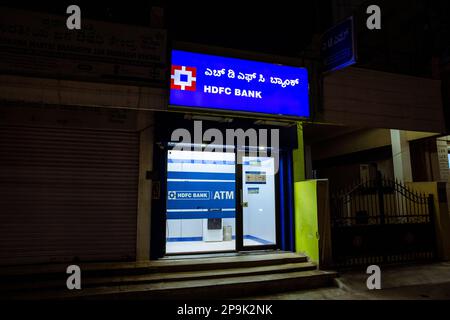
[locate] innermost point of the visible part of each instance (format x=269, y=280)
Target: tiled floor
x=201, y=246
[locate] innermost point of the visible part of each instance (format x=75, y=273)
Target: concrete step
x=170, y=278
x=43, y=283
x=207, y=288
x=237, y=261
x=172, y=264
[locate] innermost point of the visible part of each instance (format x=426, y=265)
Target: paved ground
x=430, y=281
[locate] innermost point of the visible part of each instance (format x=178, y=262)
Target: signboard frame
x=209, y=110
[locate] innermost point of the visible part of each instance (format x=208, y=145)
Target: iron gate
x=381, y=221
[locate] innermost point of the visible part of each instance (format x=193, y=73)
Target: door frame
x=239, y=226
x=240, y=212
x=168, y=148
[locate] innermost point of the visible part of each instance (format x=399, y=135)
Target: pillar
x=298, y=156
x=401, y=156
x=144, y=195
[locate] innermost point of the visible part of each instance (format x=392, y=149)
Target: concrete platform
x=169, y=263
x=403, y=282
x=193, y=277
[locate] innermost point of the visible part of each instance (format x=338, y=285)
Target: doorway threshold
x=222, y=254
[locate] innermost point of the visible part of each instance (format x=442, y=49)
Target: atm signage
x=189, y=195
x=214, y=82
x=200, y=195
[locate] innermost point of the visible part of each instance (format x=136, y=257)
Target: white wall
x=185, y=228
x=259, y=216
x=192, y=227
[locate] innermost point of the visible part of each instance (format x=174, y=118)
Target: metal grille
x=381, y=221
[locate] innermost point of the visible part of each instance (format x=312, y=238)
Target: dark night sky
x=281, y=27
x=409, y=38
x=268, y=27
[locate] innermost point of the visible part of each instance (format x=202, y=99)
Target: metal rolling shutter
x=67, y=194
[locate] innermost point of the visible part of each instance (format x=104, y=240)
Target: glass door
x=200, y=214
x=257, y=214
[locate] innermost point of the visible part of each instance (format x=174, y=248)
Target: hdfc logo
x=183, y=78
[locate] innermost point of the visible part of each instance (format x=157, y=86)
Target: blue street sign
x=338, y=47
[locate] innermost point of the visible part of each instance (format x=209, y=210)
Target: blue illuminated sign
x=200, y=189
x=214, y=82
x=338, y=46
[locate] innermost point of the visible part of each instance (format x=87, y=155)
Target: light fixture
x=207, y=118
x=274, y=123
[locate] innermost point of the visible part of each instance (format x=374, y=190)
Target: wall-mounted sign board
x=235, y=85
x=338, y=46
x=40, y=44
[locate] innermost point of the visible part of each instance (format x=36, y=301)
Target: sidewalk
x=426, y=281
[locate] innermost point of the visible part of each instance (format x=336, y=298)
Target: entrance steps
x=193, y=277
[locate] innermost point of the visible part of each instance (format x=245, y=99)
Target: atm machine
x=212, y=230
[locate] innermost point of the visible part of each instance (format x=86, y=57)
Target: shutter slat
x=67, y=193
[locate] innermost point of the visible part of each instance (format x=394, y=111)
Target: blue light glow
x=214, y=82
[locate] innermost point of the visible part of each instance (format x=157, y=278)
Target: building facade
x=95, y=165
